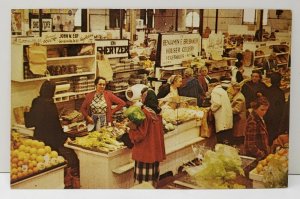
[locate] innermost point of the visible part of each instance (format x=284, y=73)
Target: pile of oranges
x=281, y=155
x=30, y=157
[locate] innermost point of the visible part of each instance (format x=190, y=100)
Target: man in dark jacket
x=191, y=87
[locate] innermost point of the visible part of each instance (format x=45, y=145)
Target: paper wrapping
x=37, y=56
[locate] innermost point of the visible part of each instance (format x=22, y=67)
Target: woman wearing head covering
x=44, y=117
x=148, y=139
x=171, y=88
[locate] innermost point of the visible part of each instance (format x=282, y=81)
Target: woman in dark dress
x=44, y=117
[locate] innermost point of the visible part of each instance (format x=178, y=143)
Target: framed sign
x=173, y=48
x=46, y=25
x=113, y=48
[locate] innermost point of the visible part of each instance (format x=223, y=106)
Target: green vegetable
x=275, y=176
x=219, y=168
x=135, y=114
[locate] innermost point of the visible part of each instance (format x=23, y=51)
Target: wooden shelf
x=282, y=64
x=173, y=68
x=57, y=76
x=128, y=70
x=282, y=53
x=66, y=96
x=71, y=57
x=261, y=56
x=119, y=91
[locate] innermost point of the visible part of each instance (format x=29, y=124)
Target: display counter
x=183, y=180
x=96, y=168
x=50, y=179
x=115, y=169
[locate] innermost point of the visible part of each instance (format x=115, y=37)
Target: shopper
x=191, y=87
x=256, y=134
x=221, y=108
x=239, y=110
x=171, y=88
x=203, y=78
x=148, y=139
x=253, y=88
x=98, y=104
x=44, y=117
x=239, y=74
x=276, y=99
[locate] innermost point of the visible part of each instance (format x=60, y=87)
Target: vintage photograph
x=150, y=98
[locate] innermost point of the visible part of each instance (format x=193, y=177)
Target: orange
x=259, y=168
x=35, y=169
x=14, y=171
x=14, y=177
x=30, y=165
x=20, y=175
x=30, y=171
x=15, y=160
x=25, y=173
x=20, y=163
x=263, y=162
x=14, y=165
x=269, y=157
x=19, y=169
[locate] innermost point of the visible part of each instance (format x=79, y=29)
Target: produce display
x=30, y=157
x=181, y=114
x=219, y=168
x=273, y=170
x=176, y=110
x=103, y=140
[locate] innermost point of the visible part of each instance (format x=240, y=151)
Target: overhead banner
x=67, y=38
x=113, y=48
x=177, y=47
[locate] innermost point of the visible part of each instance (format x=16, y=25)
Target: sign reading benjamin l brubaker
x=177, y=47
x=113, y=48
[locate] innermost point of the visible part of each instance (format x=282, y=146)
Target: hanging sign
x=176, y=47
x=67, y=38
x=46, y=25
x=113, y=48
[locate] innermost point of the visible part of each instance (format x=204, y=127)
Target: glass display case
x=178, y=110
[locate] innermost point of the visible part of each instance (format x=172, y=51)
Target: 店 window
x=249, y=16
x=192, y=19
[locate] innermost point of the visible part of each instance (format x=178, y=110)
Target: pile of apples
x=30, y=157
x=280, y=155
